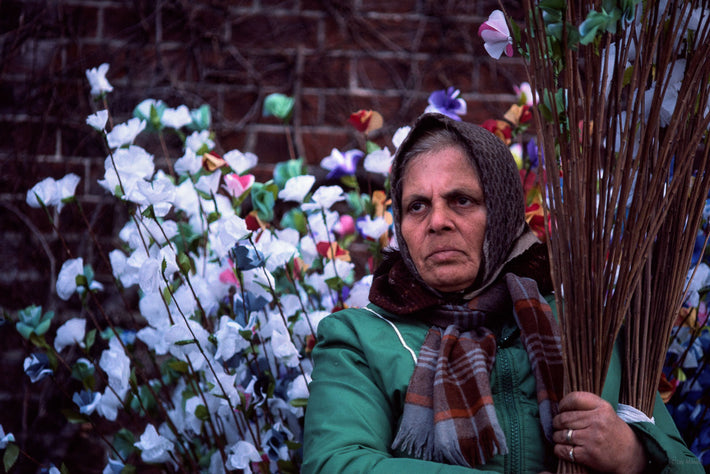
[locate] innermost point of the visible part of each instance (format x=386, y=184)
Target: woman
x=456, y=363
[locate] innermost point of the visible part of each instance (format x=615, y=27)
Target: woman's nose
x=440, y=218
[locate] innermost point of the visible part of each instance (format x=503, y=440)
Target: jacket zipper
x=513, y=463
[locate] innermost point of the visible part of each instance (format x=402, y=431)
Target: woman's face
x=444, y=218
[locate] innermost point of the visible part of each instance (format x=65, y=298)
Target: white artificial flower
x=111, y=402
x=209, y=184
x=241, y=455
x=338, y=269
x=240, y=162
x=154, y=447
x=45, y=192
x=297, y=187
x=131, y=164
x=298, y=388
x=146, y=106
x=283, y=348
x=372, y=228
x=229, y=339
x=179, y=332
x=5, y=438
x=325, y=197
x=160, y=193
x=359, y=294
x=400, y=135
x=278, y=253
x=97, y=80
x=197, y=140
x=98, y=120
x=379, y=161
x=307, y=324
x=189, y=163
x=116, y=364
x=177, y=117
x=321, y=225
x=66, y=280
x=71, y=332
x=227, y=232
x=66, y=187
x=125, y=133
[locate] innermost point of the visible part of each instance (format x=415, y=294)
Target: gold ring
x=568, y=437
x=571, y=454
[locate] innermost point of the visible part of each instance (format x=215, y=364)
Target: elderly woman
x=456, y=363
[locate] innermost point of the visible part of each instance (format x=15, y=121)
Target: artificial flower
x=97, y=80
x=87, y=401
x=525, y=94
x=372, y=228
x=400, y=135
x=176, y=118
x=5, y=438
x=114, y=466
x=36, y=366
x=297, y=187
x=332, y=250
x=237, y=185
x=283, y=349
x=359, y=296
x=98, y=120
x=154, y=447
x=199, y=142
x=209, y=183
x=518, y=115
x=66, y=280
x=124, y=133
x=324, y=197
x=42, y=193
x=379, y=161
x=341, y=164
x=240, y=162
x=278, y=105
x=366, y=121
x=125, y=167
x=447, y=102
x=345, y=225
x=229, y=338
x=188, y=163
x=499, y=128
x=116, y=364
x=32, y=321
x=212, y=161
x=241, y=455
x=496, y=35
x=227, y=232
x=516, y=149
x=69, y=333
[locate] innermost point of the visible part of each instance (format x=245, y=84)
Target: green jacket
x=362, y=366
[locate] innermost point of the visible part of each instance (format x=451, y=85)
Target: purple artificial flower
x=447, y=102
x=341, y=164
x=533, y=156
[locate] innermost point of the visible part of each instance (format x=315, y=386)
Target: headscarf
x=449, y=414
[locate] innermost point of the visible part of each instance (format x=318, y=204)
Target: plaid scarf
x=449, y=414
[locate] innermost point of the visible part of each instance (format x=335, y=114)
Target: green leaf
x=349, y=181
x=299, y=402
x=286, y=170
x=184, y=263
x=202, y=413
x=371, y=146
x=185, y=342
x=149, y=212
x=89, y=339
x=263, y=197
x=279, y=105
x=10, y=456
x=179, y=366
x=123, y=441
x=213, y=217
x=295, y=219
x=74, y=417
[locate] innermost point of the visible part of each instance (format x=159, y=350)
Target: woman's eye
x=463, y=201
x=416, y=207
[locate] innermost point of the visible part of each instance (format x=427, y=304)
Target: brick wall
x=333, y=56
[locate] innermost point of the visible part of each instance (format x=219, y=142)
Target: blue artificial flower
x=447, y=102
x=245, y=256
x=249, y=303
x=37, y=367
x=87, y=401
x=341, y=164
x=533, y=151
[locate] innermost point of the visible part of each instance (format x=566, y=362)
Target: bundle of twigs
x=626, y=175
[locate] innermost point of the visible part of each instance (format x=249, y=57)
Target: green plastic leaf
x=201, y=118
x=202, y=413
x=10, y=456
x=186, y=342
x=184, y=263
x=286, y=170
x=74, y=417
x=279, y=105
x=371, y=146
x=294, y=219
x=123, y=441
x=263, y=197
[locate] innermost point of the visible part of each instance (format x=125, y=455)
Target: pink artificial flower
x=237, y=185
x=345, y=226
x=496, y=35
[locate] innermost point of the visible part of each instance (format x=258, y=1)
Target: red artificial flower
x=499, y=128
x=366, y=121
x=211, y=161
x=331, y=250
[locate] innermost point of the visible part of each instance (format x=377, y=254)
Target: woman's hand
x=589, y=430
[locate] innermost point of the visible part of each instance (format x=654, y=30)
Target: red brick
x=260, y=31
x=499, y=77
x=241, y=105
x=79, y=21
x=378, y=34
x=323, y=71
x=317, y=145
x=271, y=147
x=389, y=6
x=440, y=73
x=126, y=22
x=310, y=109
x=383, y=73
